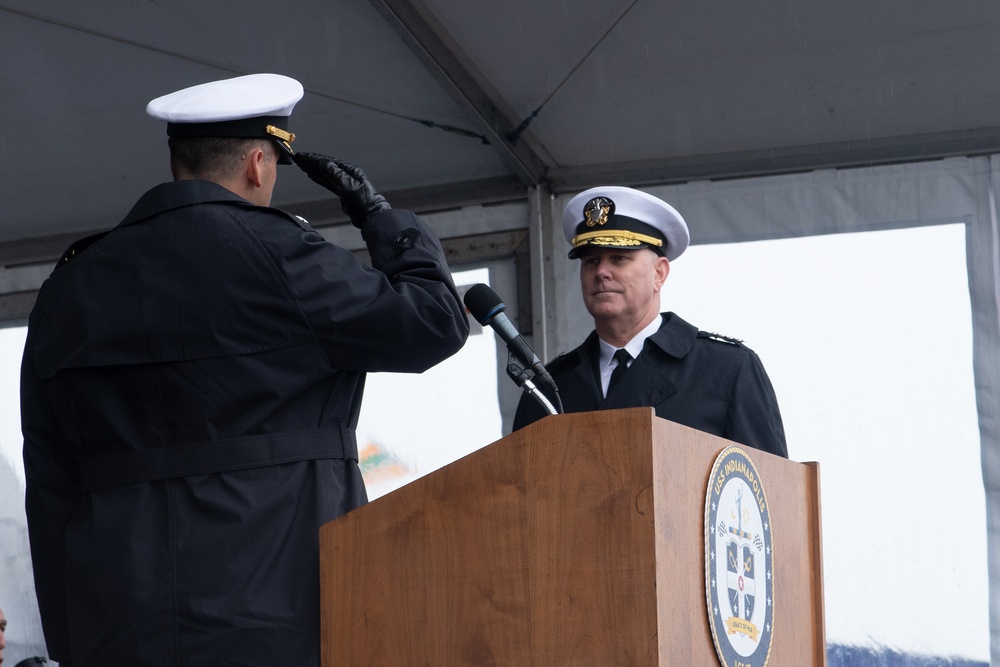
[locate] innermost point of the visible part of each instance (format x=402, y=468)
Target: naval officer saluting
x=191, y=384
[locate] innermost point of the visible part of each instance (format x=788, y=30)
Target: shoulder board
x=78, y=247
x=720, y=337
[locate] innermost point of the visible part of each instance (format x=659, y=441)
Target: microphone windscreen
x=483, y=303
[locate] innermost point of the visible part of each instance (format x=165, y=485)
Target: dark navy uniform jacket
x=713, y=384
x=190, y=388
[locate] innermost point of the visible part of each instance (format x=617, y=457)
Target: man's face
x=622, y=286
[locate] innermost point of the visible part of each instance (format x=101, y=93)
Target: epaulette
x=720, y=337
x=78, y=247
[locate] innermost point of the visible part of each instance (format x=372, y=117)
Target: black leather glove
x=357, y=195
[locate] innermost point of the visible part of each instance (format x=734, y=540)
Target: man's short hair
x=210, y=156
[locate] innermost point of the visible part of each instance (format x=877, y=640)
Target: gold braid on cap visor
x=283, y=137
x=615, y=238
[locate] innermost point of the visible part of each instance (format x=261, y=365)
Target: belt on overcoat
x=212, y=456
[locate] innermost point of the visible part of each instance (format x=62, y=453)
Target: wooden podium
x=578, y=540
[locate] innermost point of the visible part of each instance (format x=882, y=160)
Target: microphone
x=487, y=308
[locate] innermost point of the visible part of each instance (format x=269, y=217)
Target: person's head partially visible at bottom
x=625, y=240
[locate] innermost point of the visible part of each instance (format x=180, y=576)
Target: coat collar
x=178, y=194
x=163, y=197
x=647, y=381
x=581, y=386
x=675, y=336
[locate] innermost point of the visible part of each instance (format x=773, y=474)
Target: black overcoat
x=707, y=382
x=191, y=383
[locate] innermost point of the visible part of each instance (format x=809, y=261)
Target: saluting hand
x=358, y=197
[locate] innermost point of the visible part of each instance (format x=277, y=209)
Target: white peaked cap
x=612, y=216
x=242, y=97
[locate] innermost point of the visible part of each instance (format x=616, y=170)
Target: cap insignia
x=597, y=210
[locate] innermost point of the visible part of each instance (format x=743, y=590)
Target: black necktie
x=623, y=358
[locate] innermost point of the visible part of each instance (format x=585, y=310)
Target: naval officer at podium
x=637, y=356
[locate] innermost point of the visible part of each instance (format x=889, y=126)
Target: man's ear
x=661, y=267
x=254, y=167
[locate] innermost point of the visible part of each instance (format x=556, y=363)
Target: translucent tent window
x=867, y=339
x=413, y=424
